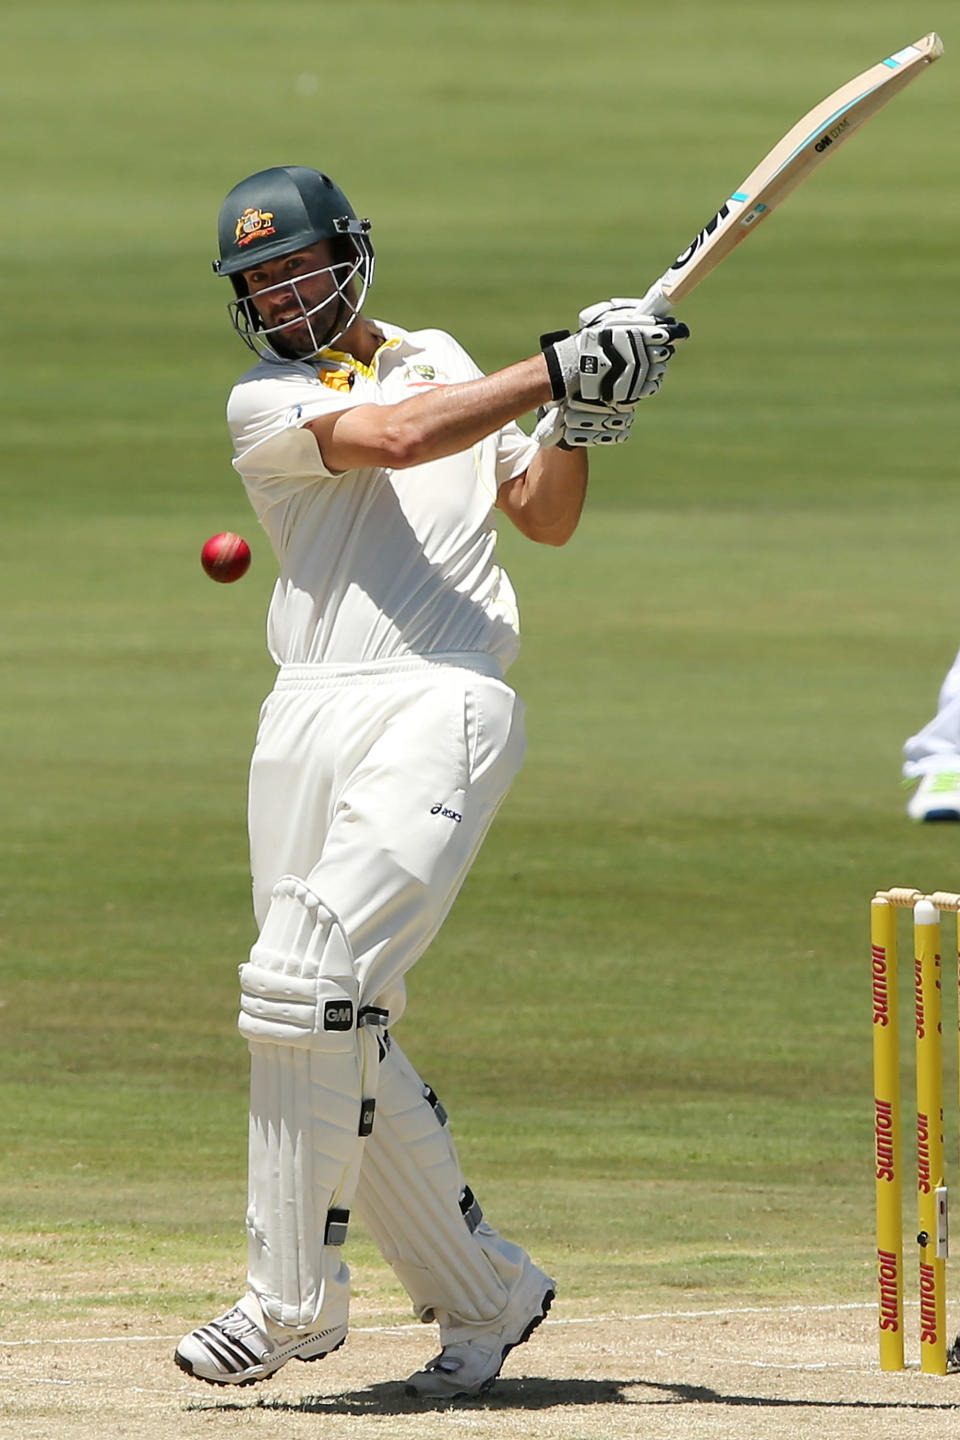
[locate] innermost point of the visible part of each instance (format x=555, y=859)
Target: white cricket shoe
x=469, y=1367
x=937, y=797
x=244, y=1346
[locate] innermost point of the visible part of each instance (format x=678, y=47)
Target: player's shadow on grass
x=388, y=1398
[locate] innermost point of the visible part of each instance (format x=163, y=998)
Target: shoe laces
x=237, y=1324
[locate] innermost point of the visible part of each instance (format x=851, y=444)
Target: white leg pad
x=413, y=1199
x=312, y=1076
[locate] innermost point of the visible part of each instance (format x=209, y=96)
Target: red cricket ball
x=225, y=557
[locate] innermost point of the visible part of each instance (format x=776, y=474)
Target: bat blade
x=821, y=132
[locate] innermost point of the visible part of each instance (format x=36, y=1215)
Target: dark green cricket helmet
x=277, y=212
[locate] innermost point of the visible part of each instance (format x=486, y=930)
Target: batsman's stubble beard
x=295, y=342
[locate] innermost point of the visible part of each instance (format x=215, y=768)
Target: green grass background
x=648, y=1013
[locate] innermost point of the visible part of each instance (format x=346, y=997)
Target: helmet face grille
x=307, y=327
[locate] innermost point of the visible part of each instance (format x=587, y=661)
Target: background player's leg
x=933, y=757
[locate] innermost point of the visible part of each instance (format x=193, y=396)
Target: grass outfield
x=648, y=1013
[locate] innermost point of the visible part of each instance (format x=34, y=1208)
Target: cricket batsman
x=376, y=460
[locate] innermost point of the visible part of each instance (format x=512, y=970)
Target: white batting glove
x=618, y=357
x=576, y=424
x=549, y=427
x=614, y=312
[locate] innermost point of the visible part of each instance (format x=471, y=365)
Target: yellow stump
x=931, y=1193
x=886, y=1105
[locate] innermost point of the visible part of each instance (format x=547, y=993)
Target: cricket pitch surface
x=765, y=1372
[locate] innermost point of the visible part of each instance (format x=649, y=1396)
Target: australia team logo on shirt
x=424, y=377
x=254, y=224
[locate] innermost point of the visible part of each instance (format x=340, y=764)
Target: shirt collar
x=396, y=341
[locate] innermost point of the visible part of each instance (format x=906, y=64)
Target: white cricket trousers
x=376, y=784
x=937, y=745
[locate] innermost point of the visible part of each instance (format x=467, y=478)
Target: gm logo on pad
x=338, y=1015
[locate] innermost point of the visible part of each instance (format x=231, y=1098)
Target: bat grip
x=655, y=302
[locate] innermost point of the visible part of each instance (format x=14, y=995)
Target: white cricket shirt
x=375, y=564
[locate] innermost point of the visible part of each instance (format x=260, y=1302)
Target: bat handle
x=655, y=302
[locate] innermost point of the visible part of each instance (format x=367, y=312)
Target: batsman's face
x=298, y=298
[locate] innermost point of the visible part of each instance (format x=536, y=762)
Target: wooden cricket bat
x=822, y=131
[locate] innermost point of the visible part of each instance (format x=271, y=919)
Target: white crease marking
x=417, y=1326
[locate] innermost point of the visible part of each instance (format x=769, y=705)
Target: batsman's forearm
x=438, y=423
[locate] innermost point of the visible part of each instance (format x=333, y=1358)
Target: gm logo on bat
x=828, y=139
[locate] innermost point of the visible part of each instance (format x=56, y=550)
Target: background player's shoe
x=937, y=797
x=469, y=1367
x=243, y=1346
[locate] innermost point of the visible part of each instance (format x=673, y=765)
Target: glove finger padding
x=585, y=424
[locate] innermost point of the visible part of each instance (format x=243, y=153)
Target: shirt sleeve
x=266, y=416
